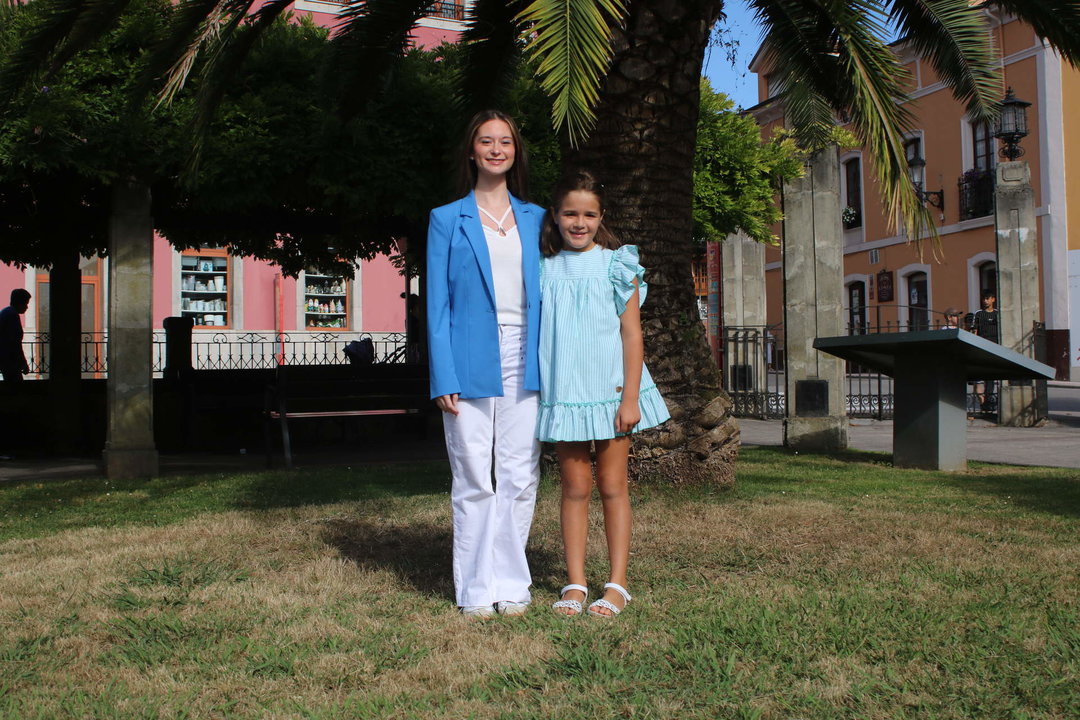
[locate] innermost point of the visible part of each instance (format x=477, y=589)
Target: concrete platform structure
x=931, y=370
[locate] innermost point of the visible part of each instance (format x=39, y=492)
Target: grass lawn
x=819, y=588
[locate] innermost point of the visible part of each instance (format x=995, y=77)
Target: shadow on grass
x=419, y=553
x=318, y=486
x=36, y=509
x=1050, y=491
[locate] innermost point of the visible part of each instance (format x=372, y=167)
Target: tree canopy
x=736, y=175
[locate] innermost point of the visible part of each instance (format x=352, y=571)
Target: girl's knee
x=576, y=490
x=613, y=494
x=612, y=486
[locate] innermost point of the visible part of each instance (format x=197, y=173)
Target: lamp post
x=1017, y=262
x=1011, y=125
x=916, y=171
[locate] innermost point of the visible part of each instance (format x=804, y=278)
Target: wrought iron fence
x=752, y=361
x=228, y=351
x=869, y=394
x=753, y=370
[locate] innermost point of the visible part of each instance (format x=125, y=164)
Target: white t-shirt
x=505, y=254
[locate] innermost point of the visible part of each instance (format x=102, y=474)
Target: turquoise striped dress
x=581, y=358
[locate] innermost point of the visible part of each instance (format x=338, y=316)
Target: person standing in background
x=13, y=363
x=986, y=325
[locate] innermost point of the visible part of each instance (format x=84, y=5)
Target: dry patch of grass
x=829, y=587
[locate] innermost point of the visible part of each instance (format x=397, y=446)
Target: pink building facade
x=231, y=297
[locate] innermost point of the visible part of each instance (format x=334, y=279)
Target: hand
x=628, y=415
x=447, y=403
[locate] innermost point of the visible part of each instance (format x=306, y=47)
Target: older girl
x=483, y=300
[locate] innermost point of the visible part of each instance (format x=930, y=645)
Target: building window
x=976, y=193
x=772, y=86
x=326, y=301
x=851, y=213
x=856, y=308
x=918, y=302
x=700, y=270
x=205, y=286
x=987, y=279
x=982, y=139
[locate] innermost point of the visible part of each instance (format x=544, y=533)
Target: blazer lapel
x=530, y=245
x=474, y=232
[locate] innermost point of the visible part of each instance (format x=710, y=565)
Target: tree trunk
x=65, y=330
x=643, y=151
x=129, y=447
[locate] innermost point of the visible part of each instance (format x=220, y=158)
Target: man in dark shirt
x=986, y=320
x=12, y=360
x=986, y=325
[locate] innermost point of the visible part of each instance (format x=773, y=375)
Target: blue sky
x=735, y=80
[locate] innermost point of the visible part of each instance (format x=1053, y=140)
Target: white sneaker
x=478, y=611
x=509, y=607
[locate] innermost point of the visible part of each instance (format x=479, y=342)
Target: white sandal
x=602, y=603
x=574, y=605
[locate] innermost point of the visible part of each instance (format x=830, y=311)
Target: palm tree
x=624, y=80
x=829, y=58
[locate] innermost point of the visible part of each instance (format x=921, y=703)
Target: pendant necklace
x=498, y=221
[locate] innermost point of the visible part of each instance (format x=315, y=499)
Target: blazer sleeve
x=444, y=380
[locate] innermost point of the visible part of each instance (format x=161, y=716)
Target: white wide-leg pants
x=495, y=460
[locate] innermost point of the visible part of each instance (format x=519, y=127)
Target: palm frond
x=227, y=54
x=492, y=48
x=192, y=26
x=956, y=41
x=571, y=41
x=830, y=59
x=371, y=37
x=1057, y=21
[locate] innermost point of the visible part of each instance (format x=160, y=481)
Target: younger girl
x=594, y=386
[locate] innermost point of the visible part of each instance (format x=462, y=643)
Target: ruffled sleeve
x=623, y=270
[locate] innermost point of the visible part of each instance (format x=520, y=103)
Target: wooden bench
x=340, y=391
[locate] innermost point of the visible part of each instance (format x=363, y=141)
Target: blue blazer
x=463, y=328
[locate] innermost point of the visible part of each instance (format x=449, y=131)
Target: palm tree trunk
x=643, y=150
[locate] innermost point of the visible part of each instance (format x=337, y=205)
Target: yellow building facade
x=890, y=282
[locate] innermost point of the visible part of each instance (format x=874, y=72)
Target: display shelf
x=325, y=301
x=204, y=288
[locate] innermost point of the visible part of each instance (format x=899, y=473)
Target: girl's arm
x=629, y=414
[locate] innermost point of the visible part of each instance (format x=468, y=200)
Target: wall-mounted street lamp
x=1012, y=125
x=936, y=198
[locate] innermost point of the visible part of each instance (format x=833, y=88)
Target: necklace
x=498, y=221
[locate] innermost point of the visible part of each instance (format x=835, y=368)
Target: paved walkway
x=1056, y=444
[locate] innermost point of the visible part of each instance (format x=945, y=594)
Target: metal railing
x=753, y=370
x=752, y=361
x=446, y=10
x=442, y=9
x=228, y=351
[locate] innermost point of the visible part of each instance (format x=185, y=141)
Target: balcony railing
x=976, y=193
x=447, y=10
x=442, y=9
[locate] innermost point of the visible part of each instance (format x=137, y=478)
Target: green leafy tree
x=736, y=175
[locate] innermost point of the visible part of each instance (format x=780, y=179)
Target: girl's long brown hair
x=551, y=241
x=517, y=179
